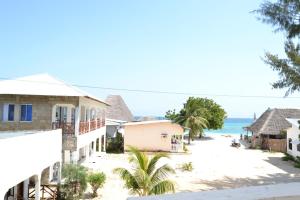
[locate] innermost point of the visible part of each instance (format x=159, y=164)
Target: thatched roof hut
x=118, y=110
x=273, y=121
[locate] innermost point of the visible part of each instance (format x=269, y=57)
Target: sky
x=190, y=46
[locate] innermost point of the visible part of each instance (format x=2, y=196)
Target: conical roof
x=118, y=109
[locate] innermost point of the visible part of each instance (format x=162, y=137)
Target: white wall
x=25, y=156
x=87, y=138
x=293, y=133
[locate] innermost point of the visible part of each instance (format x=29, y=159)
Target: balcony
x=86, y=127
x=68, y=128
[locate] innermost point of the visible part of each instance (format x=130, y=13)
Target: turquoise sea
x=232, y=126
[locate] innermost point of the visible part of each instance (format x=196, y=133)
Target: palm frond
x=154, y=160
x=161, y=173
x=138, y=157
x=163, y=187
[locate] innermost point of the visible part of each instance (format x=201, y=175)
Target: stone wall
x=41, y=111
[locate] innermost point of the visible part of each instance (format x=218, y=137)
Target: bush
x=115, y=145
x=96, y=180
x=185, y=149
x=187, y=167
x=288, y=157
x=75, y=182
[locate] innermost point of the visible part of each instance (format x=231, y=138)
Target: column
x=69, y=114
x=74, y=157
x=59, y=172
x=104, y=143
x=88, y=113
x=51, y=173
x=99, y=143
x=87, y=152
x=77, y=119
x=25, y=189
x=15, y=191
x=37, y=187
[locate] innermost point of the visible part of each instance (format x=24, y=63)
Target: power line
x=158, y=91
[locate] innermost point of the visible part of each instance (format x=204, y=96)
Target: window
x=26, y=112
x=290, y=144
x=9, y=112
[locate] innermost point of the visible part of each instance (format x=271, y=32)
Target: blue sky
x=196, y=46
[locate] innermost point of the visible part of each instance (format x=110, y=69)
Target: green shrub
x=115, y=145
x=185, y=149
x=96, y=180
x=75, y=182
x=288, y=157
x=187, y=167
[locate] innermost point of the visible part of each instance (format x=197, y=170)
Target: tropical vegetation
x=96, y=180
x=115, y=145
x=75, y=182
x=284, y=16
x=198, y=114
x=146, y=177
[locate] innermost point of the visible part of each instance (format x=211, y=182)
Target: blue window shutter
x=11, y=112
x=23, y=112
x=29, y=113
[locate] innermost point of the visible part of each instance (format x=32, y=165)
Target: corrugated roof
x=42, y=85
x=118, y=109
x=273, y=121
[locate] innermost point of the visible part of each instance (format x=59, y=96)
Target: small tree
x=75, y=182
x=146, y=178
x=96, y=180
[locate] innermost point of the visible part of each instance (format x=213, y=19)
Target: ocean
x=232, y=126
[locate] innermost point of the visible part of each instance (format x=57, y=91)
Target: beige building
x=159, y=135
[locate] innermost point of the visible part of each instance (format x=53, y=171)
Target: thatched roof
x=118, y=109
x=273, y=121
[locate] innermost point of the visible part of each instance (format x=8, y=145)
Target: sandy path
x=216, y=166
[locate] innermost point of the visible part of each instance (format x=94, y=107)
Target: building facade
x=42, y=107
x=159, y=135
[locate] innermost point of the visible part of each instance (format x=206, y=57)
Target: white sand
x=216, y=166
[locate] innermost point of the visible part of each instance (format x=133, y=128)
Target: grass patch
x=288, y=157
x=187, y=167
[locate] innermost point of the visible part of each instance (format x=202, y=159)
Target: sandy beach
x=216, y=164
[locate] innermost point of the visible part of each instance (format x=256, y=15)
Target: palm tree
x=146, y=178
x=190, y=117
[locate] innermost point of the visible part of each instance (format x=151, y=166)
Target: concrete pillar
x=15, y=191
x=25, y=189
x=59, y=172
x=87, y=152
x=37, y=187
x=74, y=156
x=77, y=119
x=54, y=113
x=104, y=143
x=88, y=118
x=69, y=114
x=51, y=173
x=99, y=143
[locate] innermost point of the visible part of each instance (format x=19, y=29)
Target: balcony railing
x=67, y=127
x=85, y=127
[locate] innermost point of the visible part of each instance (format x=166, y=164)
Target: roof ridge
x=272, y=111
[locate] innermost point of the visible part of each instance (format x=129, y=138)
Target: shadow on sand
x=289, y=174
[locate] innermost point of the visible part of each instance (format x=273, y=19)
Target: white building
x=293, y=138
x=29, y=160
x=43, y=105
